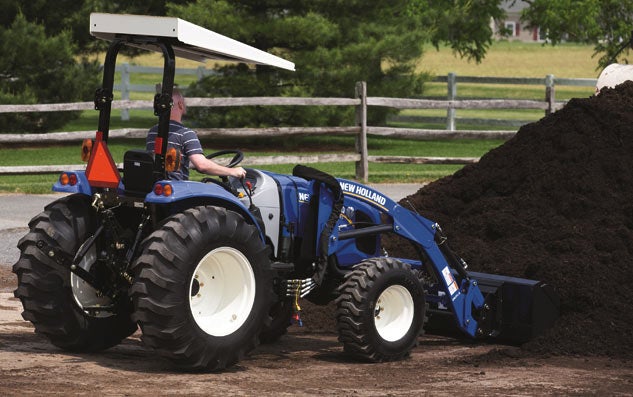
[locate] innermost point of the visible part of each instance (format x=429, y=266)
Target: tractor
x=209, y=269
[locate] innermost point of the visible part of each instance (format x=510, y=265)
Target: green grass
x=504, y=59
x=27, y=184
x=537, y=92
x=89, y=120
x=70, y=154
x=515, y=59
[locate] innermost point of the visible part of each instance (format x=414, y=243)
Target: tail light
x=163, y=189
x=68, y=178
x=167, y=190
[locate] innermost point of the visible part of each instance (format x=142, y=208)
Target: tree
x=608, y=24
x=333, y=44
x=72, y=15
x=464, y=25
x=42, y=42
x=78, y=19
x=35, y=68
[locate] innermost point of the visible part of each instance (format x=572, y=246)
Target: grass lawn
x=515, y=59
x=412, y=173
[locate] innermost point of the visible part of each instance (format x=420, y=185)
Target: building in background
x=517, y=30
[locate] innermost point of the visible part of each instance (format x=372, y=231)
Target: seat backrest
x=138, y=172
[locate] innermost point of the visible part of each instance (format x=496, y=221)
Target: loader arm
x=460, y=291
x=480, y=305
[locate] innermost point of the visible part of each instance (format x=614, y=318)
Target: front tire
x=203, y=288
x=381, y=310
x=53, y=298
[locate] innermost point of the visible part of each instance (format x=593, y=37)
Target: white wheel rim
x=222, y=291
x=393, y=314
x=85, y=295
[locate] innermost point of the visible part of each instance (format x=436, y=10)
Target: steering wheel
x=238, y=156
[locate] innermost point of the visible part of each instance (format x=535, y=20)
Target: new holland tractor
x=208, y=269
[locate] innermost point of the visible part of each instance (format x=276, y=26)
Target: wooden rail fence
x=361, y=130
x=550, y=82
x=452, y=81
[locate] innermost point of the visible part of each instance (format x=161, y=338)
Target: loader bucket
x=520, y=309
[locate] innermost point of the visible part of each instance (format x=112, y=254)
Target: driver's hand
x=238, y=172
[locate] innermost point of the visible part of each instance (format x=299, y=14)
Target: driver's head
x=179, y=107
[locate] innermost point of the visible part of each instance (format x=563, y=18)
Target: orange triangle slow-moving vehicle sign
x=101, y=170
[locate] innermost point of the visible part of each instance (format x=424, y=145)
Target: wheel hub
x=222, y=291
x=393, y=313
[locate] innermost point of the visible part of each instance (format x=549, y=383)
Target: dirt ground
x=307, y=361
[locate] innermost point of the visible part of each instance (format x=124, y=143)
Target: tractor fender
x=81, y=186
x=191, y=194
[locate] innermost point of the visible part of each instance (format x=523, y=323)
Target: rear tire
x=203, y=289
x=381, y=310
x=51, y=294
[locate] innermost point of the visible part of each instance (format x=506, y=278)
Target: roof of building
x=514, y=5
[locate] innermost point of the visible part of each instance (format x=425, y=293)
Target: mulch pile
x=554, y=203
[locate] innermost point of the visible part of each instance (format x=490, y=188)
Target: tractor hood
x=189, y=41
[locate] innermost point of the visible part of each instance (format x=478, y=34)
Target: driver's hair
x=176, y=94
x=178, y=101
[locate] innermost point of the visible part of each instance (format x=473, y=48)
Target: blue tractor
x=209, y=269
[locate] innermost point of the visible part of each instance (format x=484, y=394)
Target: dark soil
x=554, y=203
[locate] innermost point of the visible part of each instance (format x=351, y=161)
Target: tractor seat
x=138, y=172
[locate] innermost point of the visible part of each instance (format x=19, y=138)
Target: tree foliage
x=58, y=16
x=608, y=24
x=333, y=44
x=464, y=25
x=35, y=68
x=42, y=42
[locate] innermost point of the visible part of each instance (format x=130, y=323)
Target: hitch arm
x=63, y=259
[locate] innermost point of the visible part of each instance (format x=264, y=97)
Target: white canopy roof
x=190, y=41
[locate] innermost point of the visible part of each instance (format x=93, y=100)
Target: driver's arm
x=210, y=167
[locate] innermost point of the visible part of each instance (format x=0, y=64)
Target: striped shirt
x=183, y=139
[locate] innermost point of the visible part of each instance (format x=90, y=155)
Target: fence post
x=362, y=166
x=550, y=94
x=125, y=89
x=452, y=95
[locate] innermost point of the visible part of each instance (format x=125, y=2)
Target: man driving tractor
x=186, y=141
